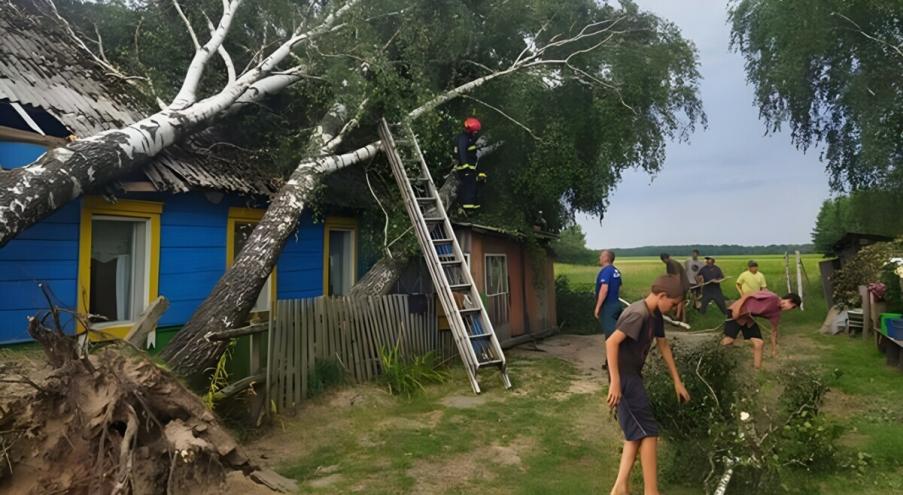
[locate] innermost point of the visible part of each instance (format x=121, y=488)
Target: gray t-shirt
x=641, y=329
x=692, y=267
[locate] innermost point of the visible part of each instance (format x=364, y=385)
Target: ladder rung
x=470, y=310
x=453, y=262
x=434, y=219
x=459, y=286
x=480, y=336
x=427, y=200
x=441, y=241
x=494, y=362
x=419, y=179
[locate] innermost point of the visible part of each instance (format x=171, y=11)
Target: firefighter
x=468, y=175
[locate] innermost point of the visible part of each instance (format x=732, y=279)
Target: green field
x=638, y=273
x=866, y=400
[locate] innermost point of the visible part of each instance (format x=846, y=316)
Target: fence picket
x=352, y=330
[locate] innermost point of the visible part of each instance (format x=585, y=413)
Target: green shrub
x=407, y=376
x=862, y=269
x=327, y=373
x=730, y=422
x=574, y=305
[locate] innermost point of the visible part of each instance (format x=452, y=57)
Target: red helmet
x=472, y=125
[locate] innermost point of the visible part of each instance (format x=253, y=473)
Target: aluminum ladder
x=472, y=331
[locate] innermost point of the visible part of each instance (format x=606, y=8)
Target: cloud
x=731, y=183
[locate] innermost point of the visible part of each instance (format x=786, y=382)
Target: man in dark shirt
x=640, y=324
x=709, y=278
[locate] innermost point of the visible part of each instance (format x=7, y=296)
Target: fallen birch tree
x=190, y=352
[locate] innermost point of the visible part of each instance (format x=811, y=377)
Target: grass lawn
x=552, y=433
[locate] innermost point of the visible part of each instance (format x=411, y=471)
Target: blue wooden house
x=170, y=230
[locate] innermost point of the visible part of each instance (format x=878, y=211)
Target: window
x=118, y=258
x=497, y=293
x=340, y=256
x=241, y=223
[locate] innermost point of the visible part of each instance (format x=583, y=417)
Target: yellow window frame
x=96, y=205
x=343, y=224
x=245, y=215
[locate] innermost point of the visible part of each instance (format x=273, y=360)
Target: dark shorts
x=635, y=411
x=608, y=318
x=751, y=331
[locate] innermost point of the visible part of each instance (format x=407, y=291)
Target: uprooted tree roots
x=110, y=422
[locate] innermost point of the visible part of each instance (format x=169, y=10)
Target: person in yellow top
x=751, y=280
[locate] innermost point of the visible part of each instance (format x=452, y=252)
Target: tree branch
x=194, y=36
x=188, y=93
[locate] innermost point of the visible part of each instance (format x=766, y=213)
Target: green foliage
x=584, y=134
x=872, y=211
x=894, y=283
x=328, y=373
x=863, y=269
x=408, y=376
x=574, y=305
x=220, y=377
x=832, y=70
x=570, y=247
x=807, y=439
x=731, y=422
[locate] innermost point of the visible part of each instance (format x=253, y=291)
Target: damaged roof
x=40, y=66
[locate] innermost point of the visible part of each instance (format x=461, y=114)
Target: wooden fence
x=350, y=331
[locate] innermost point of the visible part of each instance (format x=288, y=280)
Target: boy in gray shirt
x=639, y=325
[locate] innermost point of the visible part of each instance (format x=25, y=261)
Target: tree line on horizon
x=571, y=247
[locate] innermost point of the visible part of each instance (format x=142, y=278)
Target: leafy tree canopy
x=864, y=212
x=833, y=71
x=568, y=131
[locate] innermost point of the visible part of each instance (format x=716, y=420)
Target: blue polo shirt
x=611, y=277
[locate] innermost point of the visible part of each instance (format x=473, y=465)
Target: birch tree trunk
x=228, y=305
x=31, y=193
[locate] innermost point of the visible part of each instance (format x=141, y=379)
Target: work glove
x=481, y=177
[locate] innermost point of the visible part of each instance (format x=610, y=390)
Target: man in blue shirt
x=608, y=287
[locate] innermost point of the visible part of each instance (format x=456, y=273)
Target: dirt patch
x=315, y=423
x=583, y=351
x=464, y=401
x=462, y=470
x=327, y=476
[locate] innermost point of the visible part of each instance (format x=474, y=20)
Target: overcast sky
x=731, y=184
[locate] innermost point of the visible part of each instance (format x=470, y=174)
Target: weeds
x=327, y=373
x=404, y=376
x=220, y=377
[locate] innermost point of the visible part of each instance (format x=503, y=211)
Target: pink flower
x=878, y=290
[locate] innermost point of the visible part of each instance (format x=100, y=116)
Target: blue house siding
x=299, y=272
x=46, y=252
x=14, y=154
x=192, y=252
x=192, y=259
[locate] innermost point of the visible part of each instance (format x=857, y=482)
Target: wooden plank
x=237, y=332
x=302, y=339
x=370, y=343
x=147, y=322
x=278, y=359
x=238, y=386
x=359, y=350
x=287, y=366
x=299, y=348
x=311, y=321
